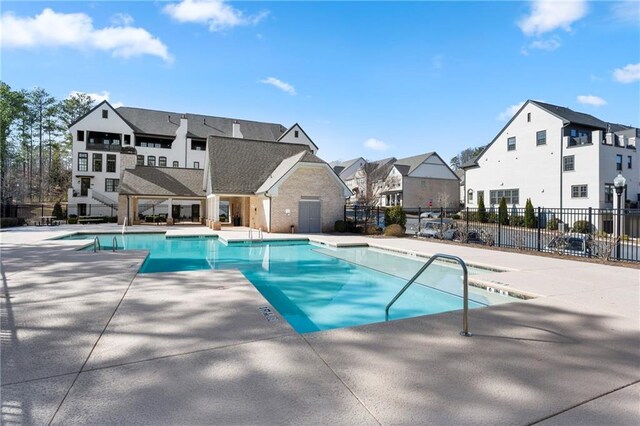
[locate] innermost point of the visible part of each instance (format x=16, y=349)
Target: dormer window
x=105, y=113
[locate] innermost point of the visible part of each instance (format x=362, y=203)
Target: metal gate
x=309, y=218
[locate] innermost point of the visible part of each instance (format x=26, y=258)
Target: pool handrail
x=96, y=244
x=465, y=313
x=114, y=243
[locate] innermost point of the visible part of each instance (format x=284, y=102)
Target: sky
x=364, y=79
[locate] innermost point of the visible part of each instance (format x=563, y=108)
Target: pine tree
x=529, y=215
x=503, y=217
x=482, y=211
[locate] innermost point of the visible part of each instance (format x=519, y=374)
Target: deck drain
x=268, y=313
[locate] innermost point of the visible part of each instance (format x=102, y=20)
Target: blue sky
x=371, y=79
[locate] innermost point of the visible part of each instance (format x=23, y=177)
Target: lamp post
x=619, y=184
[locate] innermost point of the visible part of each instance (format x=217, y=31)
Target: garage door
x=309, y=219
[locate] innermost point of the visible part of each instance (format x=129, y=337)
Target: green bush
x=482, y=211
x=149, y=219
x=8, y=222
x=552, y=224
x=113, y=219
x=581, y=226
x=530, y=215
x=455, y=216
x=340, y=226
x=491, y=218
x=57, y=211
x=516, y=221
x=503, y=215
x=72, y=220
x=395, y=216
x=394, y=230
x=373, y=230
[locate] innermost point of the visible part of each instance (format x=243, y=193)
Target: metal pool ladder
x=114, y=243
x=96, y=245
x=259, y=234
x=465, y=316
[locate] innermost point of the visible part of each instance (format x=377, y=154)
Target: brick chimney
x=128, y=159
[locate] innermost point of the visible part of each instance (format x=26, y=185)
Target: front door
x=309, y=218
x=85, y=183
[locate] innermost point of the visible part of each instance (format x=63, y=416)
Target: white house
x=161, y=139
x=557, y=157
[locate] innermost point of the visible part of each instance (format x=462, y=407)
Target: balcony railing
x=103, y=147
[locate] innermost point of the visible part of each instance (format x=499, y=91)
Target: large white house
x=160, y=138
x=557, y=157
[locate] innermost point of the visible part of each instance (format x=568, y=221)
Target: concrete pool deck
x=85, y=339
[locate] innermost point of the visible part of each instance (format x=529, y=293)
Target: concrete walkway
x=85, y=339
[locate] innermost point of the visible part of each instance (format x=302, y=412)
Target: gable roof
x=162, y=181
x=407, y=165
x=303, y=132
x=241, y=166
x=165, y=123
x=77, y=120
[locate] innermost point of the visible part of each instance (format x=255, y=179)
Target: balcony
x=103, y=147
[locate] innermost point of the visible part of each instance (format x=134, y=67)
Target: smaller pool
x=315, y=287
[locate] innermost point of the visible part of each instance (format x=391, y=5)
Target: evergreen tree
x=503, y=216
x=529, y=215
x=482, y=211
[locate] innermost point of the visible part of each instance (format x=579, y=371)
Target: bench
x=90, y=219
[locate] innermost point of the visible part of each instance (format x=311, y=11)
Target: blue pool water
x=314, y=287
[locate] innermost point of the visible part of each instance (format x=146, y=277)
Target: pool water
x=315, y=287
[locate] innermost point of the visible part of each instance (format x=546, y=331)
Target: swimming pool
x=314, y=287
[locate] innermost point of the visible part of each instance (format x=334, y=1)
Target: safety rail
x=96, y=245
x=259, y=234
x=465, y=313
x=124, y=225
x=114, y=244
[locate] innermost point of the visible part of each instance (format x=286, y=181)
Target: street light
x=618, y=183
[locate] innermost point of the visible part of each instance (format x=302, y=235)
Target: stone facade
x=312, y=182
x=417, y=192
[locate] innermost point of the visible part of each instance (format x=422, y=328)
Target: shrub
x=113, y=219
x=57, y=211
x=394, y=230
x=8, y=222
x=581, y=226
x=552, y=224
x=455, y=216
x=482, y=211
x=503, y=216
x=491, y=218
x=72, y=220
x=395, y=216
x=529, y=215
x=340, y=226
x=373, y=230
x=517, y=221
x=149, y=219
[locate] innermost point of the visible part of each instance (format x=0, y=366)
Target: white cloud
x=97, y=97
x=627, y=12
x=627, y=74
x=375, y=144
x=122, y=19
x=549, y=15
x=216, y=14
x=548, y=45
x=285, y=87
x=591, y=100
x=76, y=31
x=509, y=112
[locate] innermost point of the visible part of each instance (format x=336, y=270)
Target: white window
x=579, y=191
x=511, y=196
x=511, y=143
x=569, y=163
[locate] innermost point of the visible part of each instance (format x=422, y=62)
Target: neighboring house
x=460, y=173
x=369, y=177
x=347, y=170
x=557, y=157
x=420, y=181
x=161, y=139
x=269, y=185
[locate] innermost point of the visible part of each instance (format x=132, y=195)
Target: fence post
x=589, y=227
x=499, y=228
x=345, y=213
x=378, y=217
x=441, y=217
x=466, y=216
x=355, y=217
x=419, y=215
x=538, y=223
x=111, y=210
x=42, y=209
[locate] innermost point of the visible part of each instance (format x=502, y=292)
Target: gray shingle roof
x=241, y=166
x=572, y=116
x=406, y=165
x=199, y=126
x=162, y=181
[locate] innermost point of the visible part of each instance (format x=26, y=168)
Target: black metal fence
x=597, y=233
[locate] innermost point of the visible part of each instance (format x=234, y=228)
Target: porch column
x=134, y=210
x=170, y=213
x=203, y=212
